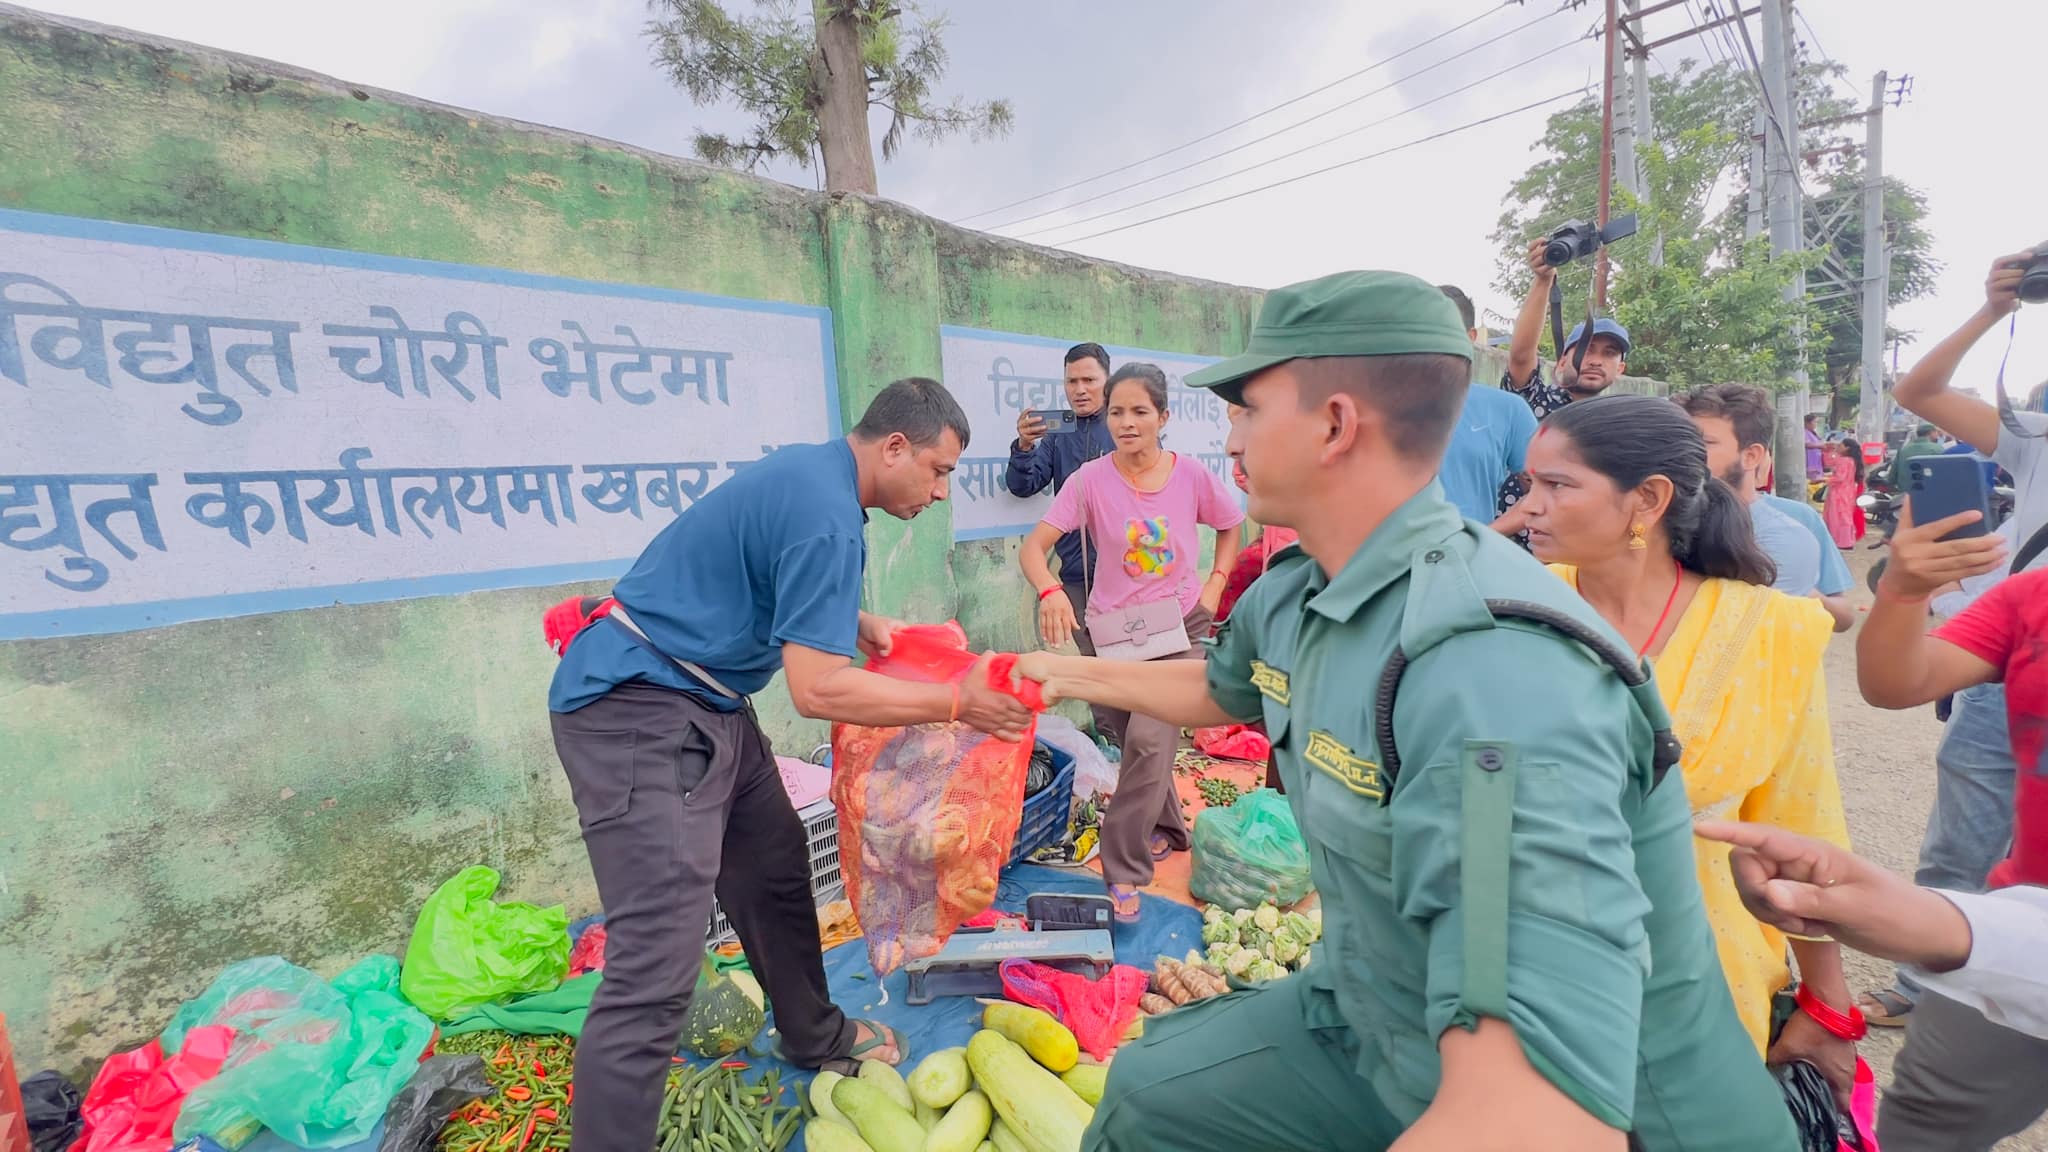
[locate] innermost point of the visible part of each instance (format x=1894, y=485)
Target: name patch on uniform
x=1270, y=681
x=1360, y=775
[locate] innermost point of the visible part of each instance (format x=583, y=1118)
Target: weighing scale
x=1070, y=933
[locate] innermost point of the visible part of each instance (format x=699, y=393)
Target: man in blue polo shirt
x=1492, y=435
x=675, y=786
x=1738, y=423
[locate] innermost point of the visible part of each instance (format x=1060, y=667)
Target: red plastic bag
x=588, y=954
x=134, y=1100
x=927, y=813
x=1234, y=742
x=1097, y=1012
x=1863, y=1109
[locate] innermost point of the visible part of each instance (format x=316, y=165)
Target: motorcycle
x=1880, y=503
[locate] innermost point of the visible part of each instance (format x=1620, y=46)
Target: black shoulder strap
x=1624, y=664
x=2033, y=547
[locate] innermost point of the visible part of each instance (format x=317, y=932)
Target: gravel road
x=1886, y=764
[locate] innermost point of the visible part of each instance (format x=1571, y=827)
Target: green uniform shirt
x=1612, y=981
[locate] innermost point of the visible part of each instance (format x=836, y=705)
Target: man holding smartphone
x=1042, y=458
x=1972, y=820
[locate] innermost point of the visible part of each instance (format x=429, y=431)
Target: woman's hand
x=1056, y=621
x=1804, y=1039
x=1212, y=591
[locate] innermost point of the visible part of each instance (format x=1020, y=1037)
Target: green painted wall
x=296, y=783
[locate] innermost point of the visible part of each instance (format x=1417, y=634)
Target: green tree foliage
x=769, y=63
x=1712, y=310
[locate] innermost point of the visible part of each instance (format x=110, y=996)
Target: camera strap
x=1557, y=324
x=2006, y=415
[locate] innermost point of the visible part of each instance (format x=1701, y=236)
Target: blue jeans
x=1970, y=829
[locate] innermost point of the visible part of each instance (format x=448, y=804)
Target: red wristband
x=1850, y=1026
x=1047, y=594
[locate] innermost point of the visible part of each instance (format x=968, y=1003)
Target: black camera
x=2034, y=282
x=1577, y=239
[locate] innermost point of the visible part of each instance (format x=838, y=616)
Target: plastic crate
x=1046, y=814
x=821, y=832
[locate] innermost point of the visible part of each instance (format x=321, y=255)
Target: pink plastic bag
x=134, y=1100
x=1097, y=1012
x=1234, y=742
x=1863, y=1108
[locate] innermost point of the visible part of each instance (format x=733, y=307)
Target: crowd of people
x=1542, y=670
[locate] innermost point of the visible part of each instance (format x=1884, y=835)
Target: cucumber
x=941, y=1078
x=821, y=1097
x=884, y=1126
x=822, y=1135
x=890, y=1081
x=964, y=1127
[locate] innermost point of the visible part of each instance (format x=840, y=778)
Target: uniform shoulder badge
x=1270, y=681
x=1346, y=767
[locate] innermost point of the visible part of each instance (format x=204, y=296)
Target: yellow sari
x=1742, y=678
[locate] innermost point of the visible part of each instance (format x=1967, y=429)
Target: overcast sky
x=1097, y=86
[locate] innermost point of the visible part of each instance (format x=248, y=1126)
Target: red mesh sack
x=1097, y=1012
x=927, y=812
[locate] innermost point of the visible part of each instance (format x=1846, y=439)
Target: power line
x=1241, y=123
x=1413, y=108
x=1580, y=91
x=1389, y=86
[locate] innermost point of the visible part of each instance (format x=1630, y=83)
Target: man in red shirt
x=1963, y=1082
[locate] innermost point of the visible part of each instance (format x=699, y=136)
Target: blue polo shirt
x=1834, y=571
x=772, y=556
x=1486, y=447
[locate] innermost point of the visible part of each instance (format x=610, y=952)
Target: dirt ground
x=1886, y=764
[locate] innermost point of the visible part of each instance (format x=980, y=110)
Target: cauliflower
x=1267, y=917
x=1241, y=962
x=1301, y=927
x=1243, y=916
x=1303, y=962
x=1286, y=949
x=1256, y=939
x=1315, y=917
x=1220, y=932
x=1213, y=913
x=1267, y=970
x=1220, y=954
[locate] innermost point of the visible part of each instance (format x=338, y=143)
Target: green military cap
x=1345, y=314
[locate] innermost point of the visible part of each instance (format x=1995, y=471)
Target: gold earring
x=1636, y=543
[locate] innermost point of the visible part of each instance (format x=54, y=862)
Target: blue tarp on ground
x=1164, y=928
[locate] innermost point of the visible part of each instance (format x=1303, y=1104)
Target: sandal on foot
x=879, y=1035
x=1886, y=1009
x=1127, y=902
x=1161, y=847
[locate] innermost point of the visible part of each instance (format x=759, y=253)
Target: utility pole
x=1759, y=179
x=1783, y=210
x=1626, y=124
x=1640, y=124
x=1606, y=149
x=1873, y=415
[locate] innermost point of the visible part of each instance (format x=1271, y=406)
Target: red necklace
x=1677, y=582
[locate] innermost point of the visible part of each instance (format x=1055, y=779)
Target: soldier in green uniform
x=1515, y=954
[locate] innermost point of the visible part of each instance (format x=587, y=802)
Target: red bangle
x=1047, y=594
x=1851, y=1026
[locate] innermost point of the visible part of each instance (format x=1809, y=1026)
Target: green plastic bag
x=467, y=951
x=1249, y=853
x=316, y=1063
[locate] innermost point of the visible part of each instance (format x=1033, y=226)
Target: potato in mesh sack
x=927, y=815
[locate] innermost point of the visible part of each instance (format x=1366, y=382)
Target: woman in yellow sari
x=1622, y=505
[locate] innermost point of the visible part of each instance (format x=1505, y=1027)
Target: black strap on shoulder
x=2033, y=547
x=1624, y=664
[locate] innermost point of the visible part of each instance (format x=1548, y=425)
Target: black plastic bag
x=50, y=1103
x=421, y=1108
x=1821, y=1125
x=1039, y=776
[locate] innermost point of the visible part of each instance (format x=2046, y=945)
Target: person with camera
x=1972, y=820
x=1607, y=348
x=1963, y=1081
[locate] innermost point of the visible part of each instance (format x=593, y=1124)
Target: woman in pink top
x=1141, y=505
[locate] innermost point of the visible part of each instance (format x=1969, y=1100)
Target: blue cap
x=1601, y=327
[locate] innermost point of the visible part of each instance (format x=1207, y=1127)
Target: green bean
x=784, y=1131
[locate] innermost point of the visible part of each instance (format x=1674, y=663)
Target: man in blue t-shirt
x=1737, y=423
x=675, y=786
x=1492, y=435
